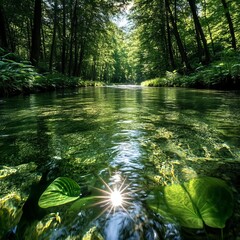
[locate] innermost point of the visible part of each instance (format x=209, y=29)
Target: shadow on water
x=31, y=211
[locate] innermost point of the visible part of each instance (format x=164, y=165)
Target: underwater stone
x=15, y=188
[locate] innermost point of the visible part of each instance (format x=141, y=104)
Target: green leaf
x=157, y=203
x=213, y=199
x=62, y=190
x=180, y=205
x=200, y=201
x=83, y=203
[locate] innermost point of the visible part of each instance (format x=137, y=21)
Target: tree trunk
x=199, y=46
x=29, y=36
x=199, y=31
x=73, y=20
x=230, y=24
x=3, y=29
x=178, y=38
x=81, y=56
x=75, y=42
x=75, y=64
x=208, y=27
x=43, y=52
x=53, y=36
x=169, y=44
x=163, y=46
x=94, y=72
x=36, y=33
x=64, y=38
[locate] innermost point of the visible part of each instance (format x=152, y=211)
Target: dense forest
x=46, y=44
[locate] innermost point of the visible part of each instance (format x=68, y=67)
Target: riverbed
x=143, y=137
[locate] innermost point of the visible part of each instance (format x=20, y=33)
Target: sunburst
x=115, y=198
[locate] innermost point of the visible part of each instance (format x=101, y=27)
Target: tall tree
x=178, y=38
x=36, y=33
x=200, y=32
x=64, y=37
x=208, y=26
x=169, y=42
x=73, y=31
x=53, y=46
x=230, y=24
x=3, y=29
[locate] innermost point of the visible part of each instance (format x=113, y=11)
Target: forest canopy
x=197, y=40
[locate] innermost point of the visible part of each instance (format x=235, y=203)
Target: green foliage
x=97, y=50
x=82, y=203
x=200, y=201
x=65, y=190
x=155, y=38
x=16, y=76
x=170, y=80
x=156, y=82
x=220, y=74
x=93, y=50
x=62, y=190
x=58, y=80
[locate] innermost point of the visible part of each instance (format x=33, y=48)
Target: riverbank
x=223, y=73
x=20, y=77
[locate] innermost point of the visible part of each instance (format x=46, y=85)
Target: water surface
x=147, y=136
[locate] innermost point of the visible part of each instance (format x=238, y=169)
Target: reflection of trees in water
x=42, y=142
x=31, y=211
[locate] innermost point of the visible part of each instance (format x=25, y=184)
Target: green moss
x=14, y=190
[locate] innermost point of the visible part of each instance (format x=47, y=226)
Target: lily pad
x=200, y=201
x=62, y=190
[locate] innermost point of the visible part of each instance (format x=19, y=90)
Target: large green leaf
x=83, y=203
x=62, y=190
x=213, y=199
x=202, y=200
x=180, y=205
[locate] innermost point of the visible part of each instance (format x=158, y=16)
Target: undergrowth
x=19, y=76
x=222, y=73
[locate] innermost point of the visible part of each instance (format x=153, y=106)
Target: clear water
x=147, y=136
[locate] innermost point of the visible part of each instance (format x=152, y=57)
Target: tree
x=3, y=31
x=64, y=37
x=178, y=38
x=53, y=46
x=169, y=43
x=36, y=33
x=199, y=32
x=230, y=24
x=79, y=38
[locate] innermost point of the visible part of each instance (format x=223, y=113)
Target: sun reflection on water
x=116, y=197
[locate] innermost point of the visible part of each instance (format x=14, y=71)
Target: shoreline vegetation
x=222, y=74
x=20, y=77
x=48, y=45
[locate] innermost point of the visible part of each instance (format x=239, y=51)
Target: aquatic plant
x=64, y=190
x=196, y=203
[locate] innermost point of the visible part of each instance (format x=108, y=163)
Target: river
x=141, y=137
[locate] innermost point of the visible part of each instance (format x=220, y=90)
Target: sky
x=122, y=20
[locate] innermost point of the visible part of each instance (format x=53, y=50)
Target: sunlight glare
x=116, y=198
